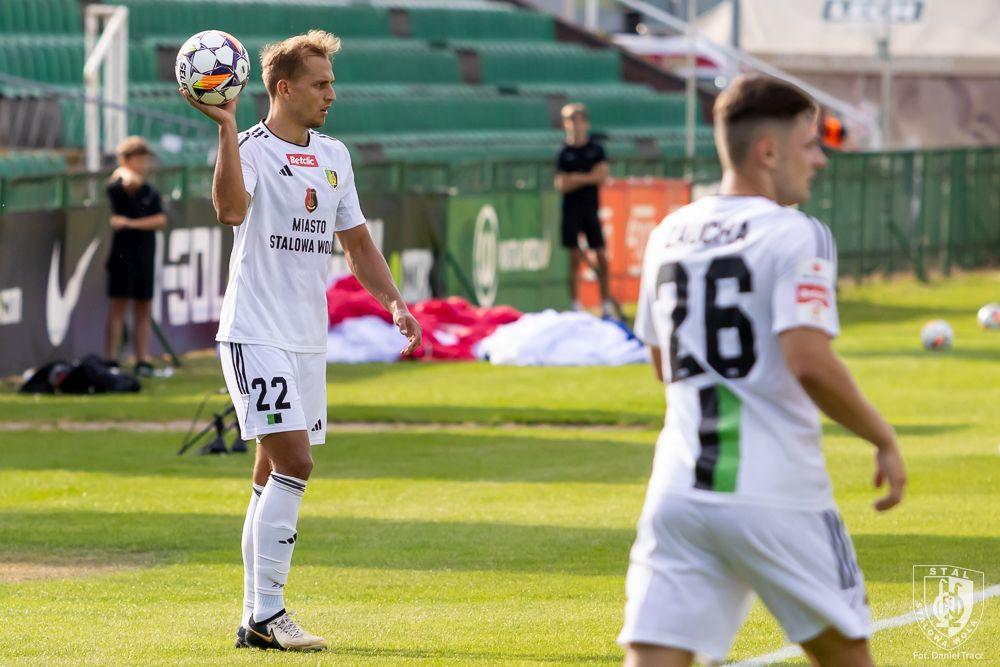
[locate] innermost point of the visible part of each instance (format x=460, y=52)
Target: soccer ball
x=937, y=335
x=989, y=316
x=213, y=67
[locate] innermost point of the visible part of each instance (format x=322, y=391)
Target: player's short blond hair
x=284, y=59
x=132, y=146
x=573, y=109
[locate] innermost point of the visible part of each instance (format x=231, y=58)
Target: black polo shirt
x=580, y=159
x=133, y=245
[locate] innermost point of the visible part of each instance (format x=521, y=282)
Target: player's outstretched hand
x=409, y=327
x=220, y=114
x=889, y=468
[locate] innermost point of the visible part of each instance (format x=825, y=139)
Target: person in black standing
x=137, y=212
x=580, y=168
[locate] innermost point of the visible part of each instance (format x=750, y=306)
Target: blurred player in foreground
x=738, y=304
x=286, y=190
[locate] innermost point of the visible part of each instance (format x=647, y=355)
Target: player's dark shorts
x=131, y=264
x=587, y=222
x=130, y=280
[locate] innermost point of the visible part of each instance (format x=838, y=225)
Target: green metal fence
x=898, y=211
x=911, y=210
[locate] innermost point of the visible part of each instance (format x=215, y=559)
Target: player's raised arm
x=229, y=195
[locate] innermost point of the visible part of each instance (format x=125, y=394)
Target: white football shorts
x=695, y=566
x=276, y=390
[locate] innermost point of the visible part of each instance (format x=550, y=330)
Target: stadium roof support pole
x=110, y=53
x=569, y=10
x=691, y=97
x=885, y=52
x=844, y=109
x=590, y=15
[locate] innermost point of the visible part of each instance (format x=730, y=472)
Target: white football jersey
x=300, y=196
x=721, y=278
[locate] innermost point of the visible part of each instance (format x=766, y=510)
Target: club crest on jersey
x=312, y=201
x=331, y=178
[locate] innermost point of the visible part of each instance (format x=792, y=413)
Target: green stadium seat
x=358, y=67
x=437, y=24
x=40, y=16
x=28, y=185
x=143, y=63
x=577, y=91
x=515, y=63
x=348, y=91
x=31, y=163
x=609, y=111
x=436, y=114
x=9, y=17
x=247, y=19
x=465, y=5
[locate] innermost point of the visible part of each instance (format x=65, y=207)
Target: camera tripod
x=220, y=424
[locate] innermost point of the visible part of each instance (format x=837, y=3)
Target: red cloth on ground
x=451, y=326
x=346, y=298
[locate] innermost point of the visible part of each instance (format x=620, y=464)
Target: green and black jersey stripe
x=718, y=461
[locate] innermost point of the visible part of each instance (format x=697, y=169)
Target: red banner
x=629, y=210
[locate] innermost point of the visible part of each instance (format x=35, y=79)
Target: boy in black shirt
x=582, y=166
x=137, y=212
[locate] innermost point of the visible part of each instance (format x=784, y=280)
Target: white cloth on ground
x=552, y=338
x=364, y=339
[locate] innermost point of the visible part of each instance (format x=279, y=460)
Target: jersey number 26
x=717, y=318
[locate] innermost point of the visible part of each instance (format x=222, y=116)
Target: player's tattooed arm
x=369, y=266
x=229, y=195
x=829, y=384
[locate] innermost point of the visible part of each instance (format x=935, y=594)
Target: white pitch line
x=794, y=650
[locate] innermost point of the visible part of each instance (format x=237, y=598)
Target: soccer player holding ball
x=286, y=190
x=738, y=304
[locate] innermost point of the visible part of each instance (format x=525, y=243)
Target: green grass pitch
x=492, y=529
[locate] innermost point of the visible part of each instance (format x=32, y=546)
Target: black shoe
x=257, y=635
x=144, y=369
x=241, y=638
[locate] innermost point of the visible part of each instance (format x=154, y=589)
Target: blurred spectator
x=137, y=212
x=580, y=168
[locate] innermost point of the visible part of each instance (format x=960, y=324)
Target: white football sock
x=248, y=554
x=273, y=542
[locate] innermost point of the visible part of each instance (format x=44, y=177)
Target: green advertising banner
x=407, y=229
x=503, y=248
